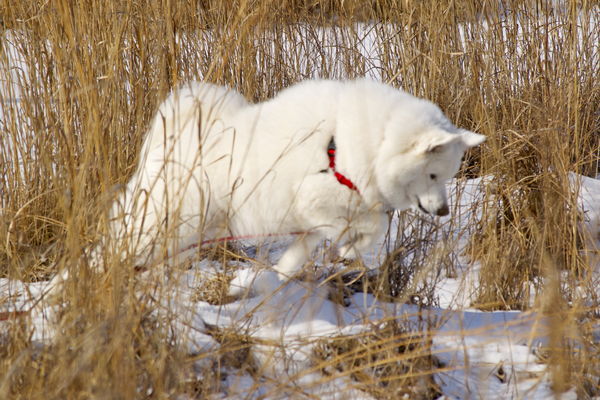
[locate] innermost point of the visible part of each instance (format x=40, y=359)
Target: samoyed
x=322, y=159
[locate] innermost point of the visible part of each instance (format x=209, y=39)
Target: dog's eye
x=433, y=176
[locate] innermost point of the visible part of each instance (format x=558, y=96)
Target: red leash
x=331, y=147
x=235, y=238
x=6, y=315
x=13, y=315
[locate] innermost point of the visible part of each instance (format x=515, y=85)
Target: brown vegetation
x=522, y=72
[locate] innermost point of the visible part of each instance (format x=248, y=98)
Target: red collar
x=341, y=178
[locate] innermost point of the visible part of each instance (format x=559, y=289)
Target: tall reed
x=81, y=80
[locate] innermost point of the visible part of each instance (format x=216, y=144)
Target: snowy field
x=479, y=355
x=482, y=355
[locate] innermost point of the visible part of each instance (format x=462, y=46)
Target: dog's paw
x=267, y=282
x=241, y=283
x=249, y=282
x=348, y=251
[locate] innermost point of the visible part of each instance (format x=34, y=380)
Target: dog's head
x=413, y=166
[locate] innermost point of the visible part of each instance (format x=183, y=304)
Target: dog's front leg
x=296, y=255
x=267, y=281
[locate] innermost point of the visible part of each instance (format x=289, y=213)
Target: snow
x=483, y=354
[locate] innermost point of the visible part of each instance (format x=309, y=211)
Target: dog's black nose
x=443, y=210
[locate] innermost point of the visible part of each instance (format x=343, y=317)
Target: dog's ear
x=465, y=138
x=441, y=141
x=471, y=139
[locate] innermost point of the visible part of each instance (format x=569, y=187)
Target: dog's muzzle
x=441, y=212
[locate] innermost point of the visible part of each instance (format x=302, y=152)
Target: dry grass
x=388, y=363
x=92, y=74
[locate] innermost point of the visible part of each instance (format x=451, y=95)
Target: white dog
x=213, y=165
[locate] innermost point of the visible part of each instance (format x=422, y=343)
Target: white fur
x=213, y=165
